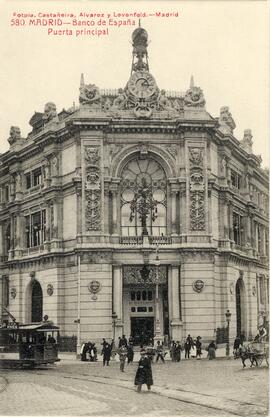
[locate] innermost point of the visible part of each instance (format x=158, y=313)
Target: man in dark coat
x=106, y=352
x=130, y=354
x=177, y=353
x=144, y=372
x=123, y=341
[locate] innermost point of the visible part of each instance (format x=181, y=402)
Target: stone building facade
x=136, y=212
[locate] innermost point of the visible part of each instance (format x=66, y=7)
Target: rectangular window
x=35, y=228
x=28, y=180
x=37, y=177
x=141, y=309
x=5, y=295
x=235, y=179
x=7, y=193
x=238, y=229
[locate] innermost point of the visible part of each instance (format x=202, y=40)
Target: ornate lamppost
x=157, y=318
x=144, y=204
x=228, y=319
x=114, y=318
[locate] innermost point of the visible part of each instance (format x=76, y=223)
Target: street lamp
x=157, y=319
x=228, y=319
x=114, y=318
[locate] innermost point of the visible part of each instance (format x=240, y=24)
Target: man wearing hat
x=144, y=372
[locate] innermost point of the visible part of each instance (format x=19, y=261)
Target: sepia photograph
x=134, y=208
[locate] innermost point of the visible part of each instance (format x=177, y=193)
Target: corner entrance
x=142, y=329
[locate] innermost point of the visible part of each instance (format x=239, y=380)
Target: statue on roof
x=14, y=134
x=49, y=111
x=227, y=124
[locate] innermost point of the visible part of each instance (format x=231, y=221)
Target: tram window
x=144, y=295
x=138, y=295
x=133, y=309
x=132, y=295
x=150, y=295
x=150, y=309
x=141, y=309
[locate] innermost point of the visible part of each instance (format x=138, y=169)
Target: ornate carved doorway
x=36, y=302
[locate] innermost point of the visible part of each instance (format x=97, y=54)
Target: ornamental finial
x=140, y=55
x=191, y=82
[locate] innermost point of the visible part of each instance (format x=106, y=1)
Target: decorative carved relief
x=13, y=292
x=89, y=94
x=198, y=285
x=144, y=275
x=172, y=149
x=197, y=187
x=50, y=289
x=194, y=97
x=92, y=189
x=196, y=157
x=94, y=287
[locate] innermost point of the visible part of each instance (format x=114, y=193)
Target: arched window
x=37, y=302
x=143, y=198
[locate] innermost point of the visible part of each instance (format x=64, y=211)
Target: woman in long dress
x=212, y=350
x=144, y=372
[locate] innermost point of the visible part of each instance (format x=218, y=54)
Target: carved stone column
x=174, y=295
x=54, y=168
x=114, y=212
x=230, y=220
x=79, y=211
x=118, y=299
x=18, y=186
x=106, y=208
x=47, y=173
x=174, y=214
x=182, y=208
x=1, y=243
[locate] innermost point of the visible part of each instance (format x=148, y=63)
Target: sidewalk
x=220, y=354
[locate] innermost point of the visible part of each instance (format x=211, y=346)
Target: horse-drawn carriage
x=256, y=352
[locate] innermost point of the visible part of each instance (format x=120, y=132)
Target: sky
x=223, y=44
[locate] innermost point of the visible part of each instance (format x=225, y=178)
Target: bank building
x=135, y=213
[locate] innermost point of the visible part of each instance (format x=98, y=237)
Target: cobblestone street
x=187, y=388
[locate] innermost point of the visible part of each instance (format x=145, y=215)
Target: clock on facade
x=142, y=84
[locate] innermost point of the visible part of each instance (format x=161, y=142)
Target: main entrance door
x=142, y=329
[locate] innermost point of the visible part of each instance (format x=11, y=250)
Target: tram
x=28, y=345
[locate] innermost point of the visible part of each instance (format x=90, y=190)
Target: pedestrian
x=144, y=372
x=122, y=357
x=160, y=353
x=94, y=352
x=187, y=346
x=84, y=350
x=173, y=351
x=198, y=345
x=106, y=352
x=211, y=350
x=123, y=341
x=177, y=353
x=130, y=341
x=236, y=346
x=130, y=354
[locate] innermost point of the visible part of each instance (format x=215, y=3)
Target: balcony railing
x=131, y=240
